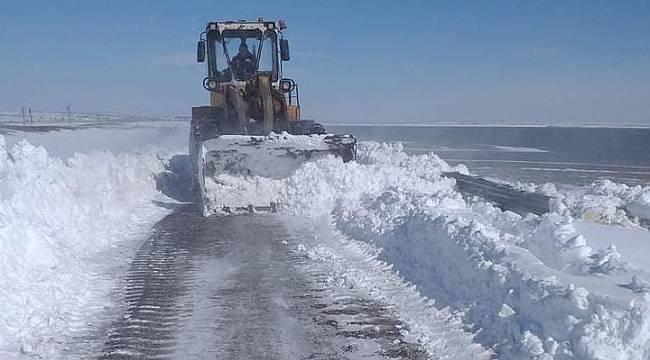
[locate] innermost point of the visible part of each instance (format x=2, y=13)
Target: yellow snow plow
x=252, y=126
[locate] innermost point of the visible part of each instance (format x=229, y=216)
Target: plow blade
x=232, y=168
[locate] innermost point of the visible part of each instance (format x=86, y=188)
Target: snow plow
x=252, y=127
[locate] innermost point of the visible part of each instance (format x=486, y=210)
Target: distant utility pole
x=23, y=111
x=69, y=114
x=31, y=119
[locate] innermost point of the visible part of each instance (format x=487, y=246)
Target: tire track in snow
x=232, y=288
x=351, y=269
x=157, y=283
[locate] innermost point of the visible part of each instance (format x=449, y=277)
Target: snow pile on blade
x=542, y=287
x=58, y=219
x=229, y=160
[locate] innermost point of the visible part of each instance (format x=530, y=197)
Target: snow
x=637, y=285
x=354, y=267
x=604, y=202
x=632, y=244
x=517, y=149
x=133, y=136
x=59, y=219
x=538, y=287
x=268, y=156
x=233, y=163
x=640, y=206
x=462, y=274
x=492, y=124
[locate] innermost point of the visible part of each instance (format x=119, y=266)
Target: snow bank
x=531, y=287
x=56, y=219
x=353, y=268
x=604, y=202
x=640, y=206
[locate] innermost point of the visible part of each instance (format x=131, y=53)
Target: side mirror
x=200, y=51
x=284, y=50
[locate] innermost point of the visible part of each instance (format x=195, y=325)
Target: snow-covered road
x=235, y=288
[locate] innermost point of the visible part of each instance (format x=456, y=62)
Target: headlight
x=210, y=84
x=287, y=85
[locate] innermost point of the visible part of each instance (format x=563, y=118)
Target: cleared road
x=231, y=288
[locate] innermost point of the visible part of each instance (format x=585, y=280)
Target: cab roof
x=242, y=25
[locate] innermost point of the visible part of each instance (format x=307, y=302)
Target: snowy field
x=571, y=284
x=73, y=206
x=539, y=154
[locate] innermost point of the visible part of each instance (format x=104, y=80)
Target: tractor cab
x=240, y=54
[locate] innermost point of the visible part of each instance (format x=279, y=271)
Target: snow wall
x=530, y=287
x=58, y=219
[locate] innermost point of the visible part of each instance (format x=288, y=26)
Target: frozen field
x=576, y=156
x=460, y=277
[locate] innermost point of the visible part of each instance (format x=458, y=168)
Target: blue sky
x=363, y=61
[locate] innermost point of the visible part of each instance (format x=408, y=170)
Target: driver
x=243, y=64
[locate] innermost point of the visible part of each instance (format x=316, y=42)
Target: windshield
x=241, y=54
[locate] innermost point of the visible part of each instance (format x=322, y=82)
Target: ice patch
x=517, y=149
